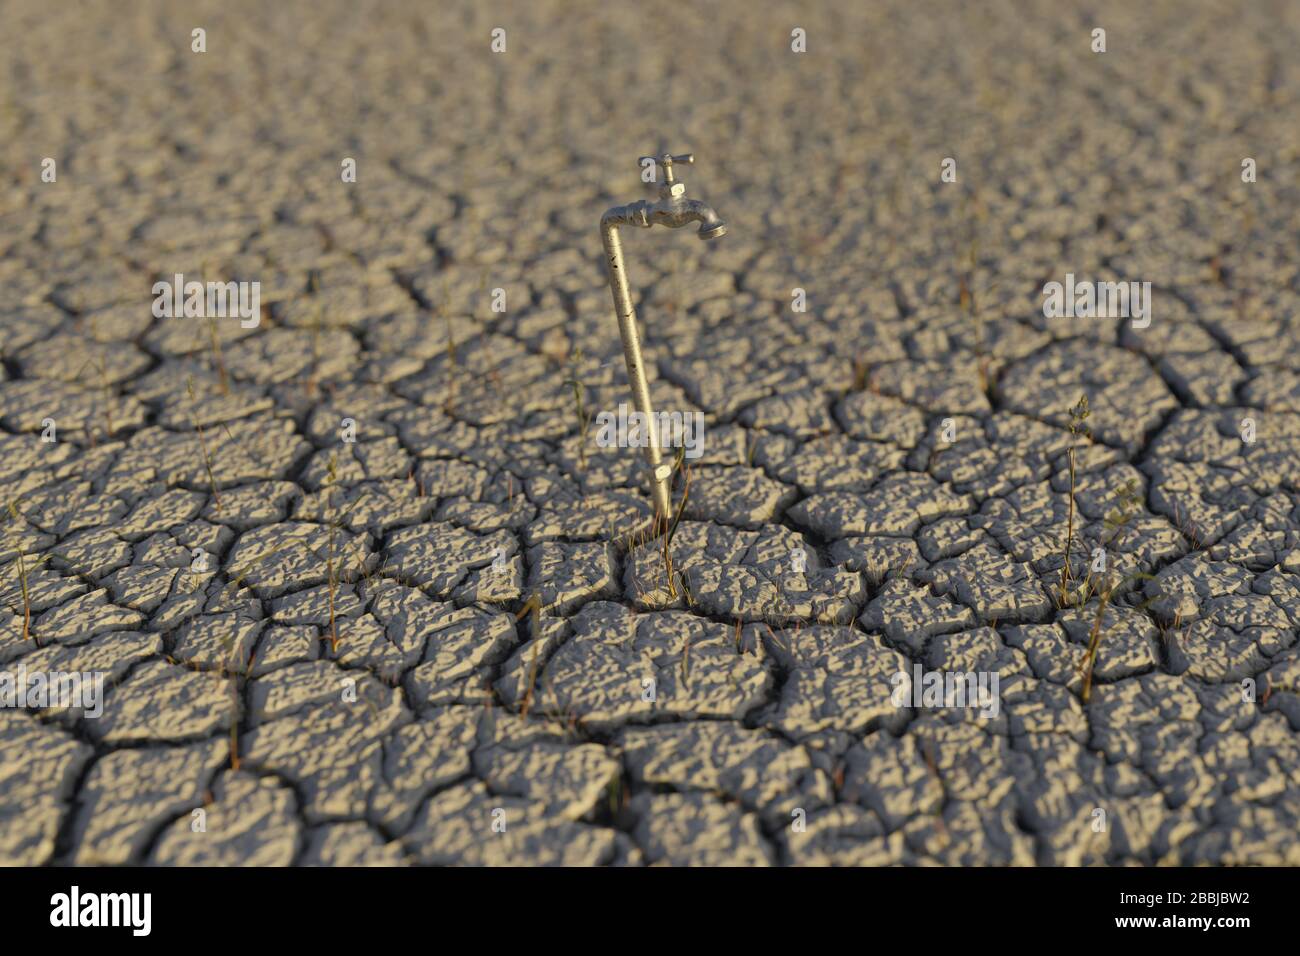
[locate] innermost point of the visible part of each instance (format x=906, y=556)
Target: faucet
x=673, y=210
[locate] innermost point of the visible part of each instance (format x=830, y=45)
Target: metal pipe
x=673, y=210
x=659, y=472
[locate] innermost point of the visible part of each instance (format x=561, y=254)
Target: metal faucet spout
x=711, y=227
x=676, y=213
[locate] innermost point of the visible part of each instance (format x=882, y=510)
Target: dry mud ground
x=884, y=482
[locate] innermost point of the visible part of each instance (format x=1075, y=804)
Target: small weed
x=580, y=410
x=534, y=606
x=975, y=214
x=616, y=799
x=218, y=362
x=203, y=446
x=453, y=361
x=331, y=481
x=783, y=644
x=108, y=400
x=1129, y=501
x=970, y=308
x=861, y=374
x=672, y=529
x=532, y=683
x=335, y=522
x=1078, y=416
x=21, y=564
x=317, y=321
x=232, y=675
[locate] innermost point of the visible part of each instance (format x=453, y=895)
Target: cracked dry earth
x=444, y=699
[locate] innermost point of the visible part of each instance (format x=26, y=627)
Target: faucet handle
x=666, y=161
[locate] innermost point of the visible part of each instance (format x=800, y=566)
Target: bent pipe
x=673, y=212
